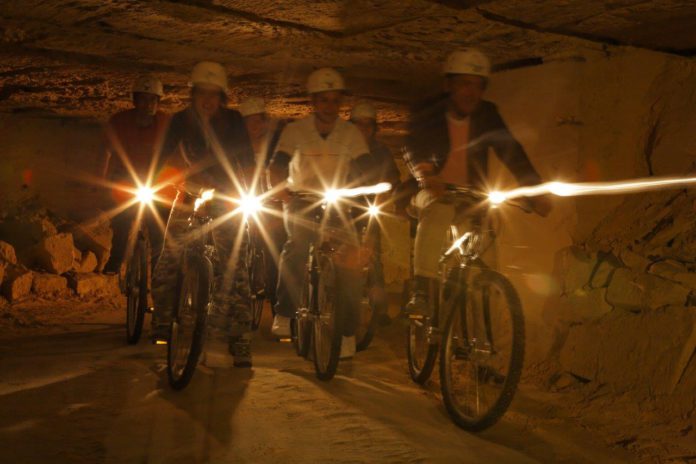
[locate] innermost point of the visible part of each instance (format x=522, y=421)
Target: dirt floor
x=75, y=392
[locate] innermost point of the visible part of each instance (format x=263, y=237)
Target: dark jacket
x=428, y=141
x=378, y=166
x=205, y=154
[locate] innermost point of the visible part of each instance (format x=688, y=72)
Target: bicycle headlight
x=250, y=204
x=145, y=194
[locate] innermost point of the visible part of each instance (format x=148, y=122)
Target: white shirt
x=316, y=162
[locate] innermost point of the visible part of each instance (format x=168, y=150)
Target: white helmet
x=209, y=73
x=252, y=105
x=325, y=80
x=148, y=84
x=363, y=110
x=468, y=61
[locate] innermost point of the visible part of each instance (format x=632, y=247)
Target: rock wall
x=607, y=282
x=50, y=160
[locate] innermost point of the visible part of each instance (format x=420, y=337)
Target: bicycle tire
x=257, y=275
x=301, y=323
x=461, y=306
x=136, y=292
x=327, y=292
x=195, y=281
x=363, y=342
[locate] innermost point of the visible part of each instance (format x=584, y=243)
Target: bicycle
x=135, y=281
x=476, y=328
x=256, y=260
x=320, y=320
x=368, y=313
x=195, y=290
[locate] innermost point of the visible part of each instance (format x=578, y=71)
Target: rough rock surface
x=88, y=262
x=17, y=283
x=95, y=237
x=7, y=253
x=89, y=283
x=48, y=285
x=55, y=253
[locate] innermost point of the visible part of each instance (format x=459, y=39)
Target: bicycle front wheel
x=482, y=351
x=189, y=324
x=136, y=292
x=328, y=321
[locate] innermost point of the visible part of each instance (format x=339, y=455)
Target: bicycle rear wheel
x=189, y=324
x=482, y=351
x=257, y=282
x=328, y=321
x=367, y=323
x=136, y=291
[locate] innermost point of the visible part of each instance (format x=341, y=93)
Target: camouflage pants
x=231, y=308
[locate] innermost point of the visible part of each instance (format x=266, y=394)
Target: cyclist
x=448, y=143
x=132, y=141
x=264, y=133
x=209, y=141
x=314, y=153
x=378, y=167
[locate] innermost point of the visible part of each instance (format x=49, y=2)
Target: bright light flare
x=206, y=196
x=373, y=210
x=333, y=195
x=458, y=243
x=565, y=189
x=497, y=198
x=145, y=194
x=250, y=204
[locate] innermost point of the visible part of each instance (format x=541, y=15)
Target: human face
x=257, y=125
x=145, y=104
x=327, y=105
x=465, y=92
x=367, y=126
x=206, y=101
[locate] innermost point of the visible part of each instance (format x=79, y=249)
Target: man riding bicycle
x=209, y=141
x=133, y=138
x=378, y=167
x=448, y=144
x=314, y=154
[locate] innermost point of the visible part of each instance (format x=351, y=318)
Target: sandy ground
x=78, y=394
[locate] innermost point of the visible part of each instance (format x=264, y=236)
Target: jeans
x=302, y=231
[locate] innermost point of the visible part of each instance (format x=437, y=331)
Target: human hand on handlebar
x=433, y=184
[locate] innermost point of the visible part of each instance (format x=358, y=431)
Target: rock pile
x=48, y=256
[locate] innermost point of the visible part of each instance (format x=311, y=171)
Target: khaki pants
x=435, y=216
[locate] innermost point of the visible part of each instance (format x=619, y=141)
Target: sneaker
x=241, y=350
x=281, y=326
x=347, y=347
x=216, y=354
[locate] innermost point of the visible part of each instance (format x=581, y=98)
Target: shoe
x=241, y=351
x=419, y=305
x=216, y=354
x=281, y=326
x=347, y=347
